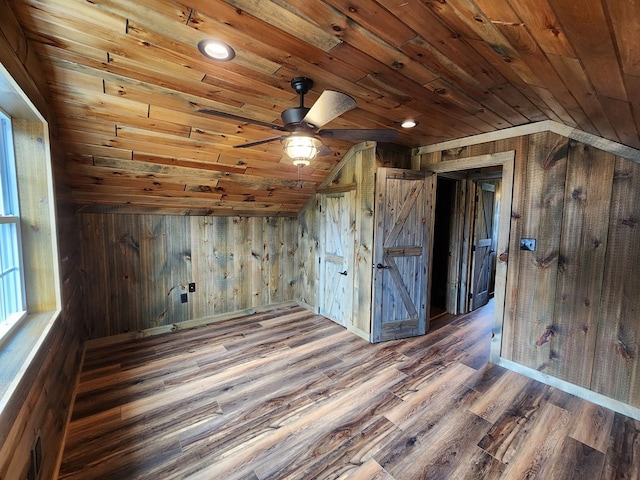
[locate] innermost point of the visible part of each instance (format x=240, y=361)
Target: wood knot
x=624, y=351
x=545, y=262
x=629, y=222
x=621, y=174
x=563, y=261
x=576, y=194
x=546, y=337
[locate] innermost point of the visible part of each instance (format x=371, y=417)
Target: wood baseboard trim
x=578, y=391
x=175, y=327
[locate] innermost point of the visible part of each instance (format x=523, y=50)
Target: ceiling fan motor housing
x=292, y=117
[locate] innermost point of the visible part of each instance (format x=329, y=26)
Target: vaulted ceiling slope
x=127, y=83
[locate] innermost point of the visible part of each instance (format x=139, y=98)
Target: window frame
x=10, y=215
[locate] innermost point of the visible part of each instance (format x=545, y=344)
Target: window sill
x=10, y=324
x=18, y=350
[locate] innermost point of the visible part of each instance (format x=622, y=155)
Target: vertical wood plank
x=178, y=273
x=509, y=253
x=277, y=279
x=287, y=262
x=306, y=254
x=124, y=269
x=616, y=370
x=97, y=305
x=255, y=261
x=153, y=262
x=202, y=244
x=240, y=278
x=542, y=220
x=581, y=256
x=365, y=197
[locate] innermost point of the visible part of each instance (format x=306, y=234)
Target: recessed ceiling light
x=216, y=50
x=408, y=124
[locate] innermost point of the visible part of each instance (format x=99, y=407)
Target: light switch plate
x=528, y=244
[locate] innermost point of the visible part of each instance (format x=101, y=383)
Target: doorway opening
x=445, y=189
x=465, y=239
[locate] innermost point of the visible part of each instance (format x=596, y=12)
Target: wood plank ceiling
x=126, y=82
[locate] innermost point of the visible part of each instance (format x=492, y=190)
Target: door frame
x=507, y=161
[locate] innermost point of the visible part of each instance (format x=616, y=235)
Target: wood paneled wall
x=572, y=305
x=40, y=404
x=137, y=266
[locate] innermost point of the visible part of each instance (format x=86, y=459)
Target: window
x=12, y=301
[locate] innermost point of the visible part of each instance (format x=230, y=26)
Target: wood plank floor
x=289, y=394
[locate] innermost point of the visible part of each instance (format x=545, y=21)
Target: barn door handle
x=343, y=273
x=381, y=266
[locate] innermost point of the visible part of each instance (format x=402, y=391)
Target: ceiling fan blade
x=324, y=151
x=259, y=142
x=330, y=105
x=238, y=118
x=378, y=135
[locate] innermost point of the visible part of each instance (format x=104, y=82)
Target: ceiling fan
x=302, y=142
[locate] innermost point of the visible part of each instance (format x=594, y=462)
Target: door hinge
x=473, y=248
x=470, y=296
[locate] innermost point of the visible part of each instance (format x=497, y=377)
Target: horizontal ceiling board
x=128, y=83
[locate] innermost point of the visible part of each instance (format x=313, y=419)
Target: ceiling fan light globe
x=301, y=162
x=301, y=149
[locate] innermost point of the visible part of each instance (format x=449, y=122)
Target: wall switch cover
x=192, y=287
x=528, y=244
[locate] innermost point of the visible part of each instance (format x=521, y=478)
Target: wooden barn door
x=483, y=248
x=336, y=256
x=403, y=219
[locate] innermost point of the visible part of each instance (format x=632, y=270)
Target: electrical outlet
x=184, y=298
x=36, y=460
x=192, y=287
x=528, y=244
